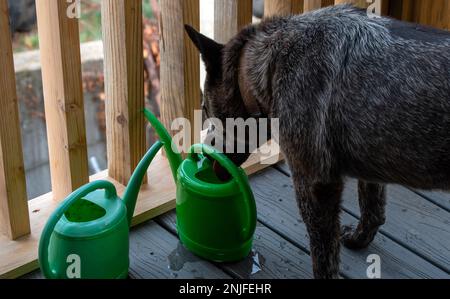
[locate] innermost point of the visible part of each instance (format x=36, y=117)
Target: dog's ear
x=210, y=50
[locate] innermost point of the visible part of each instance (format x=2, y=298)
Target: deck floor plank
x=277, y=209
x=441, y=199
x=156, y=253
x=412, y=221
x=272, y=258
x=33, y=275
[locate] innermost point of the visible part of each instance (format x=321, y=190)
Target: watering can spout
x=134, y=185
x=174, y=158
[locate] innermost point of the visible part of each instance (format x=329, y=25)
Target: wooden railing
x=22, y=220
x=13, y=196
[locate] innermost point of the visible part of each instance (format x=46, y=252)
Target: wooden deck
x=414, y=243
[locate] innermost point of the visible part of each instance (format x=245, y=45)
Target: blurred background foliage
x=90, y=22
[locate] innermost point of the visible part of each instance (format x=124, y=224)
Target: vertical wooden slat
x=433, y=13
x=282, y=7
x=63, y=93
x=124, y=86
x=14, y=217
x=365, y=4
x=327, y=3
x=230, y=16
x=394, y=9
x=312, y=4
x=407, y=10
x=180, y=63
x=359, y=3
x=385, y=7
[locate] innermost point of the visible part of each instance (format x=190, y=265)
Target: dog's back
x=355, y=99
x=396, y=113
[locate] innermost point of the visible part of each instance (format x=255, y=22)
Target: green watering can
x=216, y=220
x=87, y=236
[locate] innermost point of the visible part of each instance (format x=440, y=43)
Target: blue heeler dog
x=353, y=100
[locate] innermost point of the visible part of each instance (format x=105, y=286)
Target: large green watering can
x=87, y=236
x=216, y=220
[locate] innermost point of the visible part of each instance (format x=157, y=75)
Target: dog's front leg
x=320, y=208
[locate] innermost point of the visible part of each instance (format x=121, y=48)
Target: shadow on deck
x=414, y=242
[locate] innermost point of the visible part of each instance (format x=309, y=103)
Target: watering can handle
x=238, y=176
x=110, y=192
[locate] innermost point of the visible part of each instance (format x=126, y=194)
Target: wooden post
x=316, y=4
x=312, y=5
x=63, y=93
x=432, y=13
x=365, y=4
x=230, y=16
x=282, y=7
x=359, y=3
x=180, y=63
x=14, y=216
x=404, y=10
x=124, y=86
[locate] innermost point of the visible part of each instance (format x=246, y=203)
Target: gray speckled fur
x=353, y=100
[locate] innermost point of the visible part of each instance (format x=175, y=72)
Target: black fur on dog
x=353, y=100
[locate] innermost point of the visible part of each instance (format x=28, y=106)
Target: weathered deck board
x=412, y=221
x=277, y=209
x=156, y=253
x=33, y=275
x=273, y=257
x=442, y=199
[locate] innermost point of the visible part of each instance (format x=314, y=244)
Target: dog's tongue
x=221, y=172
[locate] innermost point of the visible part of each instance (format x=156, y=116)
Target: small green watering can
x=216, y=220
x=87, y=236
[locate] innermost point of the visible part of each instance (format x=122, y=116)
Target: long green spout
x=174, y=158
x=135, y=183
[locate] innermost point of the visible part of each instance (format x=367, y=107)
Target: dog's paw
x=353, y=239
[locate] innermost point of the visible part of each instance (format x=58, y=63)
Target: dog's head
x=222, y=97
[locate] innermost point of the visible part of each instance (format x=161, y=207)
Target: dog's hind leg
x=372, y=203
x=320, y=208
